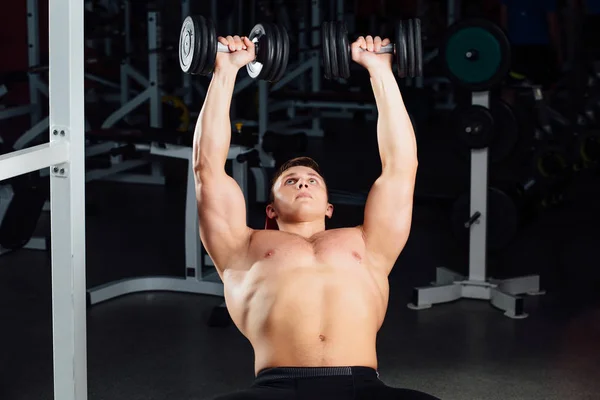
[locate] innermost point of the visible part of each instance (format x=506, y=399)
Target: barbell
x=199, y=45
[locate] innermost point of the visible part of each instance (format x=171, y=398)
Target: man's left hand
x=363, y=53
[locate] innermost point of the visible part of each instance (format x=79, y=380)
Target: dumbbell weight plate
x=333, y=49
x=418, y=47
x=276, y=43
x=189, y=57
x=284, y=45
x=325, y=50
x=211, y=43
x=202, y=45
x=401, y=50
x=410, y=45
x=261, y=66
x=343, y=50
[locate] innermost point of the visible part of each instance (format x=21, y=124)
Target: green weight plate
x=343, y=50
x=476, y=54
x=325, y=50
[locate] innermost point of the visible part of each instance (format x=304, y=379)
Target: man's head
x=299, y=193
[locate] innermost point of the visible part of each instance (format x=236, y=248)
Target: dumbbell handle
x=223, y=48
x=387, y=49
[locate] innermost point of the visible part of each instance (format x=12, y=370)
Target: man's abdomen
x=315, y=317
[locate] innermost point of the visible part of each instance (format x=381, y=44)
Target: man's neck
x=304, y=229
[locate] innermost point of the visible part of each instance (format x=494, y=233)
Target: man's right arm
x=221, y=203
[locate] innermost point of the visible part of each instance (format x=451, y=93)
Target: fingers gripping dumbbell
x=198, y=48
x=407, y=49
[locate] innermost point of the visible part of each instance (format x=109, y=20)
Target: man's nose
x=301, y=185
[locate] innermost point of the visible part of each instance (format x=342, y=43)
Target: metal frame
x=449, y=286
x=65, y=156
x=197, y=280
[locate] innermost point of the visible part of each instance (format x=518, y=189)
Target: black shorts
x=536, y=62
x=316, y=383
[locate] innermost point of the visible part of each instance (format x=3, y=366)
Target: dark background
x=158, y=345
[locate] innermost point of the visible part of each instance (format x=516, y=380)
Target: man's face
x=300, y=195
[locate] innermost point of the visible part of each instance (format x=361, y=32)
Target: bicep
x=388, y=215
x=222, y=217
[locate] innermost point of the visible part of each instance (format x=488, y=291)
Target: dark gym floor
x=157, y=345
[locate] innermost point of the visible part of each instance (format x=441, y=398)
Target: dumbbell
x=198, y=48
x=407, y=49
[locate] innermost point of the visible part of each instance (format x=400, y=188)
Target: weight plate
x=550, y=164
x=343, y=50
x=202, y=43
x=474, y=126
x=401, y=51
x=325, y=50
x=475, y=54
x=263, y=40
x=211, y=42
x=333, y=45
x=188, y=39
x=276, y=43
x=502, y=218
x=410, y=45
x=418, y=47
x=588, y=148
x=285, y=51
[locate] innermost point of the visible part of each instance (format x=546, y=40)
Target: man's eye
x=289, y=182
x=313, y=181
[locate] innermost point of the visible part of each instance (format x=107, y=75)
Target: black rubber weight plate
x=401, y=52
x=211, y=49
x=418, y=47
x=343, y=50
x=335, y=71
x=325, y=50
x=276, y=44
x=285, y=53
x=202, y=45
x=410, y=45
x=474, y=126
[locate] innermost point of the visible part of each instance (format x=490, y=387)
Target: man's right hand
x=242, y=53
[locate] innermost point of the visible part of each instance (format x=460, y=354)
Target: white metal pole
x=67, y=199
x=33, y=39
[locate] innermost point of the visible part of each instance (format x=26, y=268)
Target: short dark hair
x=295, y=162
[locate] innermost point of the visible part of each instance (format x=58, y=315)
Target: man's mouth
x=302, y=195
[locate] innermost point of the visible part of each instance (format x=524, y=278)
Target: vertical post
x=479, y=190
x=67, y=200
x=155, y=103
x=33, y=38
x=125, y=61
x=316, y=72
x=187, y=78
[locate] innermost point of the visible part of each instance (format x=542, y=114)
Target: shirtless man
x=310, y=301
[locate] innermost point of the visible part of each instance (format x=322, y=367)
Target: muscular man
x=310, y=301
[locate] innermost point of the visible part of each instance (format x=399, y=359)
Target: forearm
x=395, y=133
x=212, y=135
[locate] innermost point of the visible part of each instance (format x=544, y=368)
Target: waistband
x=277, y=373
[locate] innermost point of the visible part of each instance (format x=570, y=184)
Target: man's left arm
x=388, y=211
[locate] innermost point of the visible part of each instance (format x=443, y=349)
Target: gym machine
x=64, y=155
x=476, y=56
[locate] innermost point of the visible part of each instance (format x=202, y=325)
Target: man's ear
x=270, y=210
x=329, y=211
